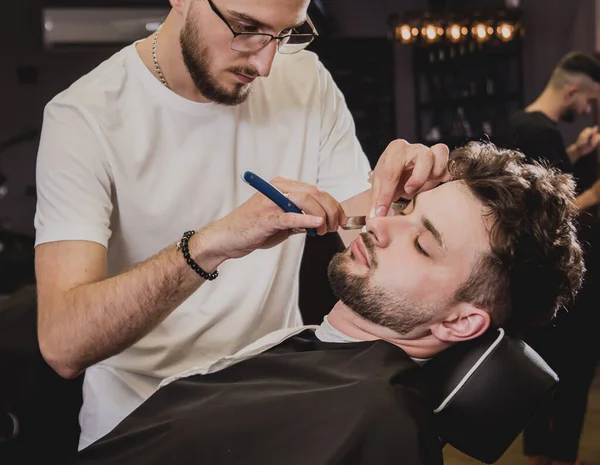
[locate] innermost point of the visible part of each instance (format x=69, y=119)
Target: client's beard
x=375, y=303
x=197, y=62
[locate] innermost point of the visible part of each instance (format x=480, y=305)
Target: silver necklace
x=155, y=61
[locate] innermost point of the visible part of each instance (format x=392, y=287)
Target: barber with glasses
x=138, y=170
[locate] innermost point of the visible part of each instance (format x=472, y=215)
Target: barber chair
x=485, y=392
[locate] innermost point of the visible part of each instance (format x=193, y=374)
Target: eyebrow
x=427, y=224
x=249, y=19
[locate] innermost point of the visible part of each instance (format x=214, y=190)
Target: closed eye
x=420, y=249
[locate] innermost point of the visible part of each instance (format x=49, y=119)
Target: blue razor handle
x=274, y=194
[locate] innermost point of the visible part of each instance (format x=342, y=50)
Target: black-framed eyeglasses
x=293, y=42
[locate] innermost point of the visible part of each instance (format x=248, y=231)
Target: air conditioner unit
x=75, y=27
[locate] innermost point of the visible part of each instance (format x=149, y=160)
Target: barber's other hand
x=260, y=224
x=587, y=141
x=404, y=170
x=596, y=190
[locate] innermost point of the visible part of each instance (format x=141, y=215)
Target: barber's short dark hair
x=536, y=264
x=582, y=63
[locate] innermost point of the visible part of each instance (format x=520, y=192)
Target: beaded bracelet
x=183, y=245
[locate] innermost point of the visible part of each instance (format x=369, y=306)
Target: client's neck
x=342, y=318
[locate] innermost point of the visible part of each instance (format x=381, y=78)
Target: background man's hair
x=536, y=264
x=573, y=65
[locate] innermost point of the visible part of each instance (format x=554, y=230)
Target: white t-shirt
x=127, y=163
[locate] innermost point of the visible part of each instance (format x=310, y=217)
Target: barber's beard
x=375, y=303
x=197, y=61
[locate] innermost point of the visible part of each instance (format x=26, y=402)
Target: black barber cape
x=303, y=402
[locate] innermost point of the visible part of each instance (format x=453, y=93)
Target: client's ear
x=464, y=322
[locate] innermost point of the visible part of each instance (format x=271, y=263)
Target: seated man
x=444, y=270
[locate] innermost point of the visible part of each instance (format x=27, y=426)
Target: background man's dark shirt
x=538, y=137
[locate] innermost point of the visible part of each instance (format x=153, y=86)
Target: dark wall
x=368, y=18
x=22, y=104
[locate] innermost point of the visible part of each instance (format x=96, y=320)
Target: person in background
x=570, y=93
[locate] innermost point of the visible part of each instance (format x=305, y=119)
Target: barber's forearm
x=586, y=199
x=573, y=153
x=101, y=319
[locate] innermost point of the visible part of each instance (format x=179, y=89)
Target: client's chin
x=345, y=284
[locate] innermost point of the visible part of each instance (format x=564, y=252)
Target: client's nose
x=383, y=228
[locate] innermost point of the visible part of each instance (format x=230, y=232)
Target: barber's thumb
x=380, y=206
x=299, y=221
x=378, y=209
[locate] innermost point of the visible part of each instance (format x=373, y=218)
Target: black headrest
x=486, y=391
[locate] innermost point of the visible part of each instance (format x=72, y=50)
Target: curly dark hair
x=536, y=264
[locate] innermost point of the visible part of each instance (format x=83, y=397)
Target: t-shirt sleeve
x=72, y=179
x=343, y=166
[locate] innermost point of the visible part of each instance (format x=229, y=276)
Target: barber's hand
x=404, y=170
x=596, y=190
x=587, y=141
x=260, y=224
